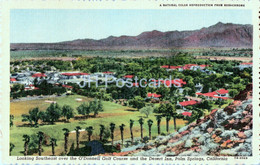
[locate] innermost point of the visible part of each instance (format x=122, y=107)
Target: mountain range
x=223, y=35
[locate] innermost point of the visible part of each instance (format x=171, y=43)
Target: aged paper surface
x=129, y=82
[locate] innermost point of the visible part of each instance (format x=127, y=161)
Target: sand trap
x=47, y=101
x=78, y=99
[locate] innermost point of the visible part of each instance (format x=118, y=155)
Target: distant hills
x=219, y=35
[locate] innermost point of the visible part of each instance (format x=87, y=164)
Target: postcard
x=129, y=82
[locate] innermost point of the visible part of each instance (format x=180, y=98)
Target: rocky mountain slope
x=218, y=35
x=224, y=132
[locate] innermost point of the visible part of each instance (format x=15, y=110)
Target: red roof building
x=128, y=76
x=153, y=95
x=67, y=86
x=31, y=87
x=188, y=103
x=74, y=74
x=176, y=82
x=136, y=84
x=222, y=91
x=165, y=66
x=175, y=67
x=108, y=72
x=219, y=94
x=39, y=75
x=13, y=79
x=246, y=63
x=187, y=114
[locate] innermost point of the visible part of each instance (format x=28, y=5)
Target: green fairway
x=112, y=113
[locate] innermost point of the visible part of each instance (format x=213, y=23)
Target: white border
x=117, y=4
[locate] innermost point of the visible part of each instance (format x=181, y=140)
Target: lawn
x=112, y=113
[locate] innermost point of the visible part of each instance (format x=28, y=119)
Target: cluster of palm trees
x=90, y=129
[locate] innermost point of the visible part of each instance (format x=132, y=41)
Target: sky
x=56, y=25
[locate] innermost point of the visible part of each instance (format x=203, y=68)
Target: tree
x=166, y=109
x=137, y=102
x=90, y=132
x=96, y=106
x=131, y=130
x=168, y=118
x=174, y=115
x=112, y=129
x=40, y=137
x=77, y=135
x=26, y=140
x=32, y=117
x=53, y=113
x=147, y=110
x=150, y=123
x=11, y=120
x=233, y=92
x=66, y=136
x=158, y=119
x=141, y=122
x=84, y=109
x=53, y=144
x=122, y=133
x=11, y=147
x=101, y=129
x=67, y=112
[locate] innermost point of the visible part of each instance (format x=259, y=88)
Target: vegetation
x=90, y=132
x=150, y=123
x=122, y=133
x=67, y=112
x=141, y=122
x=112, y=129
x=113, y=106
x=146, y=110
x=53, y=144
x=66, y=135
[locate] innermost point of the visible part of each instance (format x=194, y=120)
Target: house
x=38, y=75
x=193, y=67
x=67, y=86
x=187, y=103
x=170, y=68
x=73, y=75
x=128, y=76
x=208, y=72
x=13, y=80
x=199, y=88
x=30, y=87
x=245, y=65
x=109, y=73
x=186, y=113
x=153, y=95
x=218, y=94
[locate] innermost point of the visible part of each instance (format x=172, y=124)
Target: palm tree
x=40, y=136
x=11, y=148
x=26, y=140
x=102, y=129
x=141, y=122
x=122, y=133
x=158, y=118
x=66, y=136
x=168, y=118
x=150, y=123
x=174, y=116
x=77, y=135
x=90, y=132
x=112, y=128
x=131, y=130
x=53, y=144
